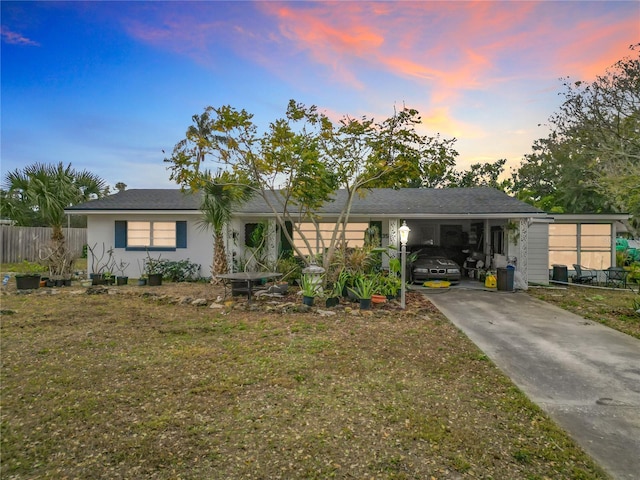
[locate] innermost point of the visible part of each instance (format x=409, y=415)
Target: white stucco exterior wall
x=101, y=231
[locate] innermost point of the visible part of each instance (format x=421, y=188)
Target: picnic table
x=249, y=277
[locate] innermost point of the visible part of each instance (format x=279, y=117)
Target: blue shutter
x=181, y=234
x=121, y=234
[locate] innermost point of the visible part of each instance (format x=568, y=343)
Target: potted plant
x=121, y=267
x=108, y=277
x=309, y=288
x=29, y=278
x=390, y=286
x=153, y=269
x=100, y=265
x=338, y=287
x=363, y=288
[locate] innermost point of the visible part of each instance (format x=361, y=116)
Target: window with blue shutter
x=153, y=236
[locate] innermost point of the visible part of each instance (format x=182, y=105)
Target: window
x=586, y=244
x=354, y=235
x=595, y=245
x=136, y=235
x=151, y=234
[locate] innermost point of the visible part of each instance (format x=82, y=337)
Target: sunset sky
x=108, y=85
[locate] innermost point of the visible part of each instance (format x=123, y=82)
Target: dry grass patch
x=120, y=386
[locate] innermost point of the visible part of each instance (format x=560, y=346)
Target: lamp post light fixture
x=404, y=237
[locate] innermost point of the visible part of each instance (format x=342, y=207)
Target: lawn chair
x=584, y=275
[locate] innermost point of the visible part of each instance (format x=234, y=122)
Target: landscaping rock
x=97, y=290
x=199, y=302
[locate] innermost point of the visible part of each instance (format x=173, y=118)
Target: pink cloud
x=455, y=44
x=14, y=38
x=597, y=46
x=441, y=49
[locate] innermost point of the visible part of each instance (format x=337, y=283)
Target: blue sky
x=107, y=86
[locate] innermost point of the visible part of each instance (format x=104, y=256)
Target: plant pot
x=142, y=282
x=27, y=282
x=50, y=283
x=96, y=279
x=378, y=299
x=307, y=300
x=122, y=281
x=155, y=279
x=365, y=304
x=43, y=283
x=59, y=282
x=332, y=302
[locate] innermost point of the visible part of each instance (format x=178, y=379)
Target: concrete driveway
x=584, y=375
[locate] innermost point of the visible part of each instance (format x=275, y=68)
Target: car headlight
x=421, y=270
x=453, y=270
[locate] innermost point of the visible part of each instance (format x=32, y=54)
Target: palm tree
x=191, y=151
x=220, y=195
x=46, y=190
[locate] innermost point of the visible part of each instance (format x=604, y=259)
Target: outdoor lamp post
x=315, y=273
x=404, y=237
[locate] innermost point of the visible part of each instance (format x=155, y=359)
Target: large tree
x=479, y=175
x=591, y=160
x=45, y=190
x=299, y=162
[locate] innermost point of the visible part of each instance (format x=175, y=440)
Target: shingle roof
x=379, y=201
x=428, y=201
x=143, y=199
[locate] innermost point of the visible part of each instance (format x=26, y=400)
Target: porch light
x=404, y=238
x=404, y=233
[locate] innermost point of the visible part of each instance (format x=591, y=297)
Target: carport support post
x=404, y=237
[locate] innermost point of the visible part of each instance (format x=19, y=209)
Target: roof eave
x=420, y=216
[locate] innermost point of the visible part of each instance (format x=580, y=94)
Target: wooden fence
x=26, y=243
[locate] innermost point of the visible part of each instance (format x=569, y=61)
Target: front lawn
x=123, y=386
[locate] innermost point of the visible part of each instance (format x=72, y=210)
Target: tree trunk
x=58, y=258
x=220, y=264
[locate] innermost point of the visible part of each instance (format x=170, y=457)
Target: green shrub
x=179, y=270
